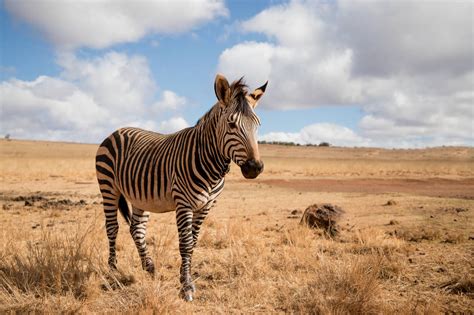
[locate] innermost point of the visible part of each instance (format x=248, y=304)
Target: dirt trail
x=433, y=187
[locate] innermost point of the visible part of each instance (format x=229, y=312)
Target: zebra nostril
x=251, y=168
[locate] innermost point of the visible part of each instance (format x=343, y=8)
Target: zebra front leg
x=184, y=220
x=198, y=219
x=138, y=231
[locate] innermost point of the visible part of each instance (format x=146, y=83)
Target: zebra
x=182, y=172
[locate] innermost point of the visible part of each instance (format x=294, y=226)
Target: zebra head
x=238, y=124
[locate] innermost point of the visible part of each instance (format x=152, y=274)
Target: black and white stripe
x=182, y=172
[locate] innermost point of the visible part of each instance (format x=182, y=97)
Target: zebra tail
x=124, y=210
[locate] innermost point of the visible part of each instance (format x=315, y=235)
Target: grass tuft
x=52, y=265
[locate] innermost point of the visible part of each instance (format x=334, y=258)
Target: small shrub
x=50, y=266
x=419, y=234
x=338, y=287
x=375, y=241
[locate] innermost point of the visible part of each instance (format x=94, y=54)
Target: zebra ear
x=221, y=88
x=256, y=95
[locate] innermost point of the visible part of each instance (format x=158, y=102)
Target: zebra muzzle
x=251, y=168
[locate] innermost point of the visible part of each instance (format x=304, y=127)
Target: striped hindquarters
x=131, y=162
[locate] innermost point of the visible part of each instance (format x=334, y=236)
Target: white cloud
x=407, y=64
x=422, y=119
x=116, y=81
x=334, y=134
x=167, y=126
x=376, y=132
x=91, y=98
x=48, y=108
x=320, y=132
x=257, y=59
x=299, y=59
x=407, y=36
x=169, y=101
x=71, y=24
x=280, y=136
x=172, y=125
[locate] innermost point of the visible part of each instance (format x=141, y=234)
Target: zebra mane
x=238, y=91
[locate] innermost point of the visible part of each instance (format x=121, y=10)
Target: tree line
x=322, y=144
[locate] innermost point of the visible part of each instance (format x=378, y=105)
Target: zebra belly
x=156, y=205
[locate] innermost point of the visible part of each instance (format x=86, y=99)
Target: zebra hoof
x=187, y=291
x=112, y=266
x=187, y=295
x=149, y=267
x=151, y=270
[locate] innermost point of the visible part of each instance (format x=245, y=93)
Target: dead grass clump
x=31, y=198
x=115, y=279
x=29, y=303
x=419, y=304
x=51, y=266
x=453, y=238
x=375, y=241
x=223, y=235
x=298, y=236
x=391, y=267
x=338, y=287
x=454, y=210
x=419, y=234
x=62, y=204
x=65, y=274
x=463, y=286
x=145, y=296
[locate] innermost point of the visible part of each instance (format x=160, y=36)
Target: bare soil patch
x=433, y=187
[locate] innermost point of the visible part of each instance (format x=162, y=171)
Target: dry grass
x=66, y=274
x=413, y=257
x=430, y=234
x=236, y=267
x=337, y=287
x=49, y=266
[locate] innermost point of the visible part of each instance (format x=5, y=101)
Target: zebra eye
x=232, y=124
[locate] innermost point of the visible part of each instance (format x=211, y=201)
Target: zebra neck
x=209, y=154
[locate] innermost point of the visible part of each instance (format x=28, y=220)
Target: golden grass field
x=414, y=256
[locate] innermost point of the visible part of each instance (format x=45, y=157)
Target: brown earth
x=405, y=246
x=433, y=187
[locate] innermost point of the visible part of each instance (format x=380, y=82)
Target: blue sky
x=350, y=73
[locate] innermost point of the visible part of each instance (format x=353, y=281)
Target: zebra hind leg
x=184, y=218
x=138, y=232
x=110, y=201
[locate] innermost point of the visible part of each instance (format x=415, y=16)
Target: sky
x=394, y=74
